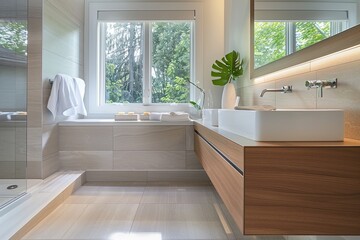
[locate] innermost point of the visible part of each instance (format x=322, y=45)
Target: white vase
x=228, y=98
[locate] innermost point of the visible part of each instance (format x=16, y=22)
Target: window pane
x=171, y=62
x=309, y=33
x=269, y=42
x=13, y=36
x=124, y=62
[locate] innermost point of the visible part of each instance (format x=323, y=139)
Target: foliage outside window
x=165, y=45
x=276, y=39
x=13, y=36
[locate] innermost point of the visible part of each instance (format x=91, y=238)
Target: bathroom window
x=144, y=59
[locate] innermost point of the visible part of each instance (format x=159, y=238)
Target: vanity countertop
x=245, y=142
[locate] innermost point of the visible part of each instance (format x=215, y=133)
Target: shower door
x=13, y=92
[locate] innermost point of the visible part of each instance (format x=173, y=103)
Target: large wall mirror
x=285, y=33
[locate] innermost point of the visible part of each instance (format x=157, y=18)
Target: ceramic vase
x=228, y=98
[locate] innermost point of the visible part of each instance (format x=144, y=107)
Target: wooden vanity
x=284, y=188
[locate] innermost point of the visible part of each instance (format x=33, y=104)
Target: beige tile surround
x=55, y=34
x=343, y=65
x=146, y=153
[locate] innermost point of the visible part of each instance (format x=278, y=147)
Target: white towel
x=66, y=96
x=175, y=116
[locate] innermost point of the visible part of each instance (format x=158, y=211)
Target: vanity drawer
x=228, y=182
x=234, y=152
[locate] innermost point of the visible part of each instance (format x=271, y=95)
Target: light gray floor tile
x=179, y=221
x=101, y=221
x=191, y=195
x=107, y=194
x=55, y=225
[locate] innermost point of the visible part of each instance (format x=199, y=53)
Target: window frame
x=92, y=65
x=272, y=10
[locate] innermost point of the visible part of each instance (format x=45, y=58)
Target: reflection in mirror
x=283, y=28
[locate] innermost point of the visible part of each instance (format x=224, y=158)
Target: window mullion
x=101, y=64
x=290, y=37
x=147, y=65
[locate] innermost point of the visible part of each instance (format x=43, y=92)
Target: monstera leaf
x=227, y=69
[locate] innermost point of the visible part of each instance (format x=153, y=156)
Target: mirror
x=287, y=33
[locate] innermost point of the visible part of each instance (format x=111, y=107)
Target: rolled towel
x=175, y=116
x=256, y=108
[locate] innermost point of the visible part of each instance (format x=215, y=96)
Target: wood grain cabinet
x=283, y=188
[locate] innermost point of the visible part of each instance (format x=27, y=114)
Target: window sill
x=112, y=122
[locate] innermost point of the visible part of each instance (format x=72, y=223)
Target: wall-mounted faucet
x=284, y=89
x=321, y=84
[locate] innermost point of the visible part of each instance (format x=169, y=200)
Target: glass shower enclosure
x=13, y=100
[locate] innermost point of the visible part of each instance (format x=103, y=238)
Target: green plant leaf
x=226, y=69
x=219, y=82
x=195, y=105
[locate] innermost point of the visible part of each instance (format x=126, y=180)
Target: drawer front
x=228, y=182
x=302, y=191
x=234, y=152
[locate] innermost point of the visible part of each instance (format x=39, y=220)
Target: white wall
x=237, y=35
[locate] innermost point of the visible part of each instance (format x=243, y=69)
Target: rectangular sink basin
x=285, y=124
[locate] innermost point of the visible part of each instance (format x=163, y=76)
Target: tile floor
x=135, y=212
x=140, y=212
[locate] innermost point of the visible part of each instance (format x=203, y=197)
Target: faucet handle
x=287, y=89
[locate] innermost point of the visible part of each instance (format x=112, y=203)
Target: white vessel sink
x=285, y=124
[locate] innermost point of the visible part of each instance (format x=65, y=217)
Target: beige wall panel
x=149, y=160
x=346, y=96
x=84, y=160
x=300, y=97
x=192, y=162
x=50, y=136
x=85, y=138
x=152, y=138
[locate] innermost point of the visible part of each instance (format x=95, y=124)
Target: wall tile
x=300, y=97
x=85, y=138
x=50, y=143
x=250, y=96
x=34, y=170
x=20, y=170
x=84, y=160
x=153, y=138
x=51, y=164
x=35, y=36
x=35, y=8
x=346, y=96
x=116, y=176
x=7, y=169
x=20, y=139
x=189, y=137
x=296, y=70
x=144, y=160
x=34, y=147
x=7, y=144
x=192, y=161
x=178, y=176
x=34, y=108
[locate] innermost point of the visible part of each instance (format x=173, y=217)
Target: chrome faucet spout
x=284, y=89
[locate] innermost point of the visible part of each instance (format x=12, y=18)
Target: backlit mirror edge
x=341, y=41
